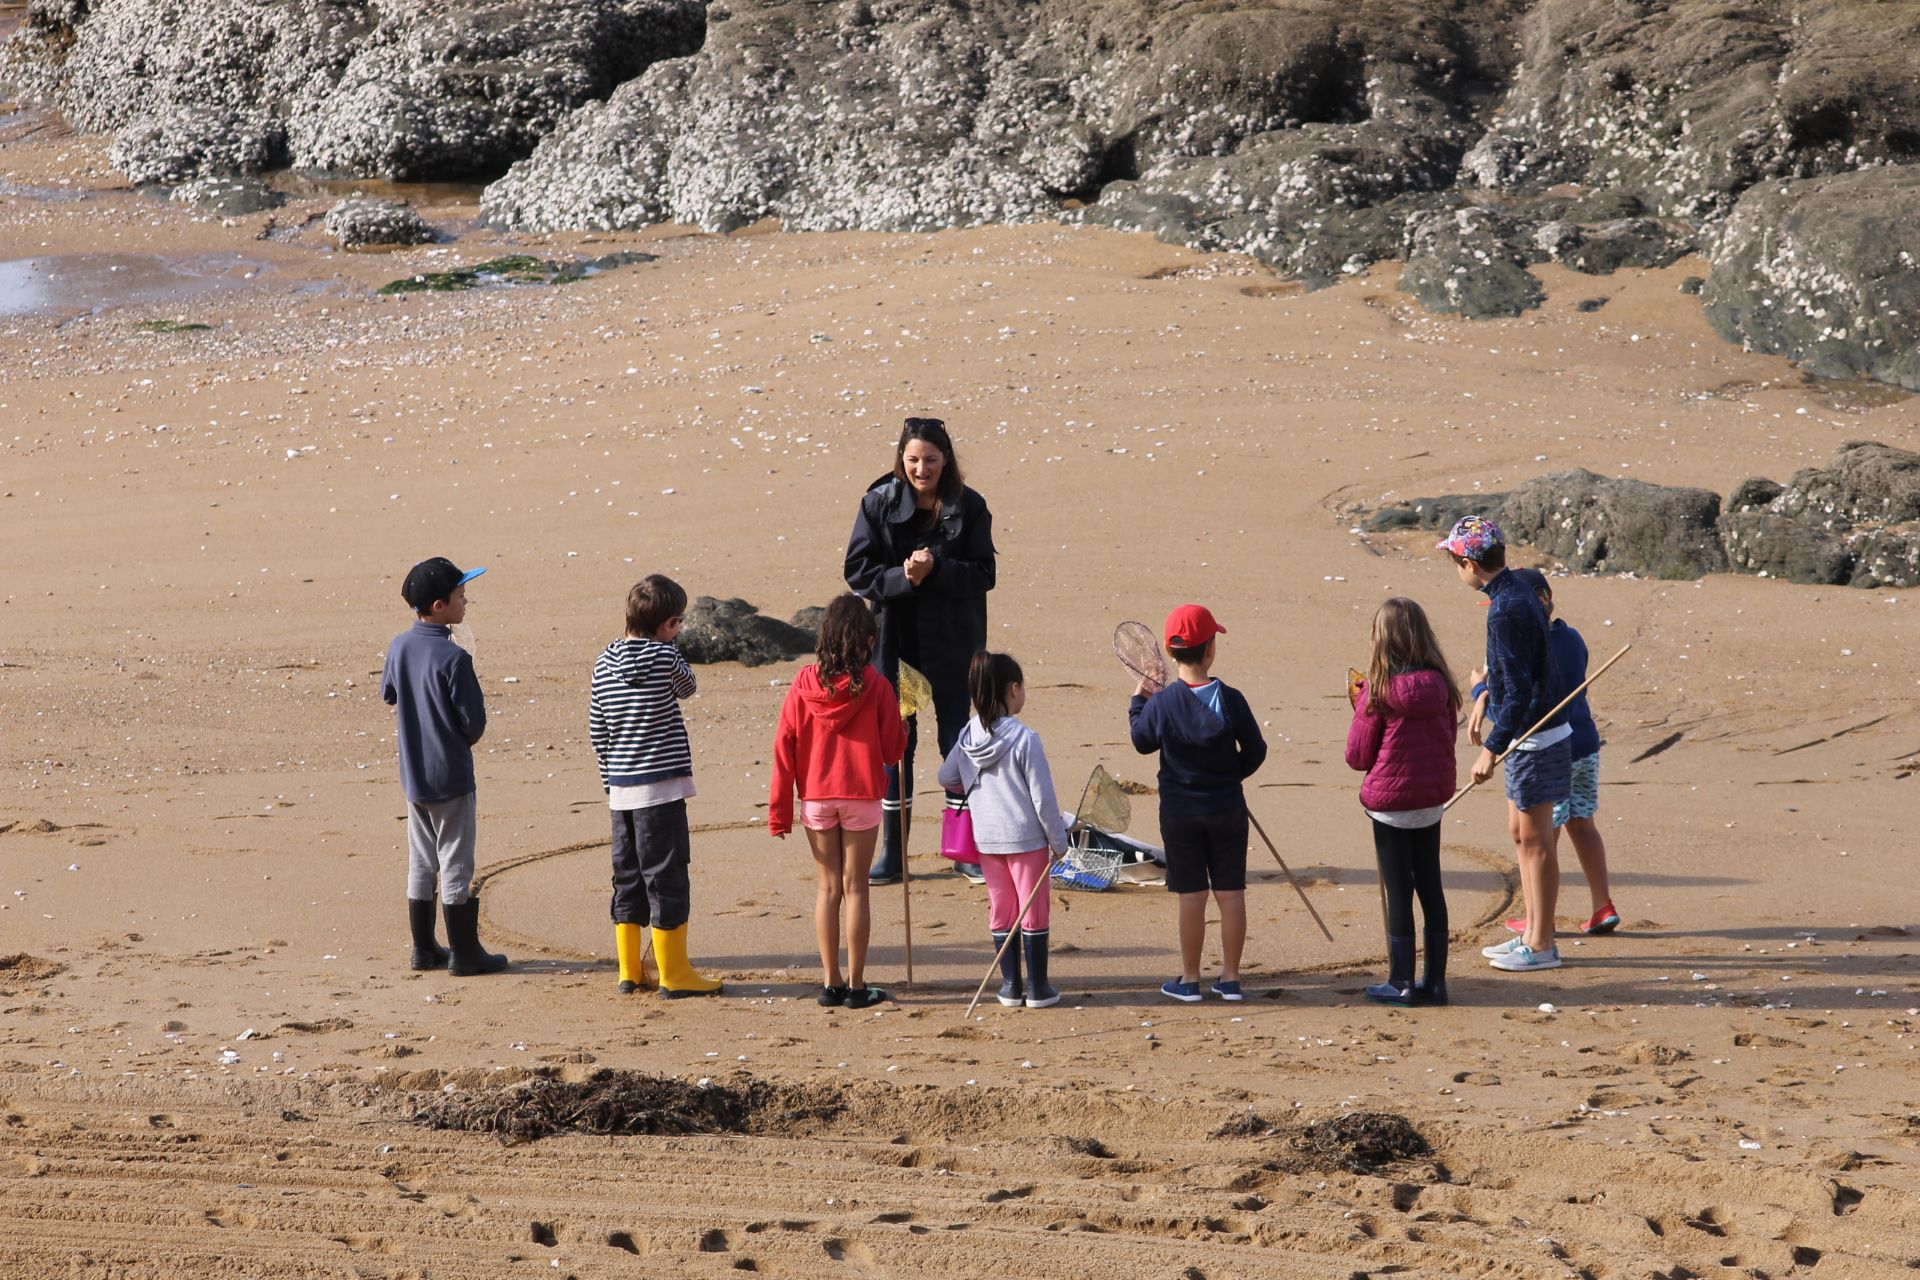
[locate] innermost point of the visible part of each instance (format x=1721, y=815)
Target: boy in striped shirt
x=646, y=765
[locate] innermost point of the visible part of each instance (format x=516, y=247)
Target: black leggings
x=1409, y=865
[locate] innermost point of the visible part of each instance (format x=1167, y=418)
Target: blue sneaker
x=1227, y=990
x=1184, y=992
x=1499, y=949
x=1524, y=959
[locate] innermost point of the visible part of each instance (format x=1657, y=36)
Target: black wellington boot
x=1398, y=988
x=1040, y=993
x=1433, y=983
x=463, y=939
x=427, y=954
x=1013, y=993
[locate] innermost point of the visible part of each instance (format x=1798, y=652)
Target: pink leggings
x=1010, y=877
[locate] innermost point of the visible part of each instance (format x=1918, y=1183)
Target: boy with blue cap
x=439, y=715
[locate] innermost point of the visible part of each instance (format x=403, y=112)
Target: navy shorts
x=1540, y=777
x=1206, y=850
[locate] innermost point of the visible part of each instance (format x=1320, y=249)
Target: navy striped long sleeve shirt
x=633, y=713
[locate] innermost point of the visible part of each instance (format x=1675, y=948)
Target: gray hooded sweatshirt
x=1012, y=801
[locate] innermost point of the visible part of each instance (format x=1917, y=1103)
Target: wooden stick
x=1561, y=705
x=906, y=875
x=1295, y=883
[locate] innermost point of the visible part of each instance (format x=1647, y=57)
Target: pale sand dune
x=194, y=624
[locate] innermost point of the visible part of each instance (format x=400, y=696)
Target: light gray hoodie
x=1012, y=801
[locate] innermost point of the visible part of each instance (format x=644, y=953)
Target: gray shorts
x=440, y=849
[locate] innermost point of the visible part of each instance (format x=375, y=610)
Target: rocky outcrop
x=735, y=631
x=406, y=89
x=1465, y=262
x=359, y=221
x=1471, y=139
x=1855, y=521
x=1827, y=272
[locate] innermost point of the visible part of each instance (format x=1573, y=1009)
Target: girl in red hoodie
x=840, y=728
x=1406, y=716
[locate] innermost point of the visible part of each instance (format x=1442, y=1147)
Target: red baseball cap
x=1191, y=626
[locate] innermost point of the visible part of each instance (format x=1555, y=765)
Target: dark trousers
x=950, y=710
x=650, y=854
x=1409, y=866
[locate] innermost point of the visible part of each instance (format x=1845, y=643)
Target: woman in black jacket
x=922, y=555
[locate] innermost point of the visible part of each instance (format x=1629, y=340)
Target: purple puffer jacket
x=1407, y=753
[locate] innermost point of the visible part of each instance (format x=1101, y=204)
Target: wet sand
x=200, y=831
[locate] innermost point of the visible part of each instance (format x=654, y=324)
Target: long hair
x=934, y=432
x=847, y=637
x=987, y=681
x=1404, y=641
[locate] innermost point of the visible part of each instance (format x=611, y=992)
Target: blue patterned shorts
x=1540, y=776
x=1585, y=801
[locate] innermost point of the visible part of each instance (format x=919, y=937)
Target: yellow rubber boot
x=677, y=977
x=630, y=942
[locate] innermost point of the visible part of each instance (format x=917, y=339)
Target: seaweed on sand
x=610, y=1102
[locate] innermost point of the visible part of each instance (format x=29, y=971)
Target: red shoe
x=1519, y=925
x=1605, y=920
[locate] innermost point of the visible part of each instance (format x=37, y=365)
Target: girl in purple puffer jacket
x=1406, y=716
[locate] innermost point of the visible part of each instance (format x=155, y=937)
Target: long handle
x=1290, y=880
x=906, y=878
x=1558, y=707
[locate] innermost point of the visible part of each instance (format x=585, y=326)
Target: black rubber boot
x=894, y=825
x=427, y=954
x=1398, y=988
x=1433, y=983
x=1040, y=992
x=463, y=939
x=1013, y=993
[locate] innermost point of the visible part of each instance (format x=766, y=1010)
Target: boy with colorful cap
x=1523, y=685
x=439, y=715
x=1209, y=743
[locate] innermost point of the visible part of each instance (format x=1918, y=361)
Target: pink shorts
x=854, y=815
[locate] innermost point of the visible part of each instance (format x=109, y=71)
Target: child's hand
x=1476, y=676
x=1142, y=689
x=1477, y=722
x=1483, y=766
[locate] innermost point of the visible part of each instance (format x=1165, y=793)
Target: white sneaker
x=1499, y=949
x=1524, y=959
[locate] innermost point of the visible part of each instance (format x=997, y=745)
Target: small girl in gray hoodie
x=1017, y=825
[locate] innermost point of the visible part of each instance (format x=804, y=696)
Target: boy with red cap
x=1209, y=743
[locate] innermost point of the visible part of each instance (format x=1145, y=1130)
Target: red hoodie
x=831, y=746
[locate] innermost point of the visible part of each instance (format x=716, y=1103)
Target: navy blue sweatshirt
x=1520, y=670
x=1203, y=756
x=429, y=681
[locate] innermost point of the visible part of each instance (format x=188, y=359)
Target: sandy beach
x=212, y=1050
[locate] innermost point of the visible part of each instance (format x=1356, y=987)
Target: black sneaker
x=866, y=997
x=831, y=997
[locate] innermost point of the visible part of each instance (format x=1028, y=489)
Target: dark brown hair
x=1494, y=557
x=1404, y=641
x=987, y=681
x=654, y=601
x=934, y=432
x=1189, y=654
x=847, y=637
